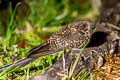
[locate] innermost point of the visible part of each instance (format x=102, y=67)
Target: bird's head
x=83, y=26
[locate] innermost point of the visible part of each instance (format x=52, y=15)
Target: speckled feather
x=73, y=35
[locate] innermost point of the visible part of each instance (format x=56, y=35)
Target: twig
x=112, y=26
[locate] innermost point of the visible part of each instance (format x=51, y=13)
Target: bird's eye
x=84, y=25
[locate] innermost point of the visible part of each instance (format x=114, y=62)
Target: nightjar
x=73, y=35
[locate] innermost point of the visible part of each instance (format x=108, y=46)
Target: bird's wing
x=19, y=63
x=42, y=50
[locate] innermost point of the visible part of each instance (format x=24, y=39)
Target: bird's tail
x=19, y=63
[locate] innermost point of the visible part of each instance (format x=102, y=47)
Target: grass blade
x=76, y=60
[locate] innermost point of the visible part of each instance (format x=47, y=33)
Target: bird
x=72, y=35
x=87, y=60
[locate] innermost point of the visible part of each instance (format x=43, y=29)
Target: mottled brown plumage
x=73, y=35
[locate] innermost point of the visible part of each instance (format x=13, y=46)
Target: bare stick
x=113, y=26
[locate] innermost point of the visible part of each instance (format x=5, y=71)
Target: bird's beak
x=92, y=26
